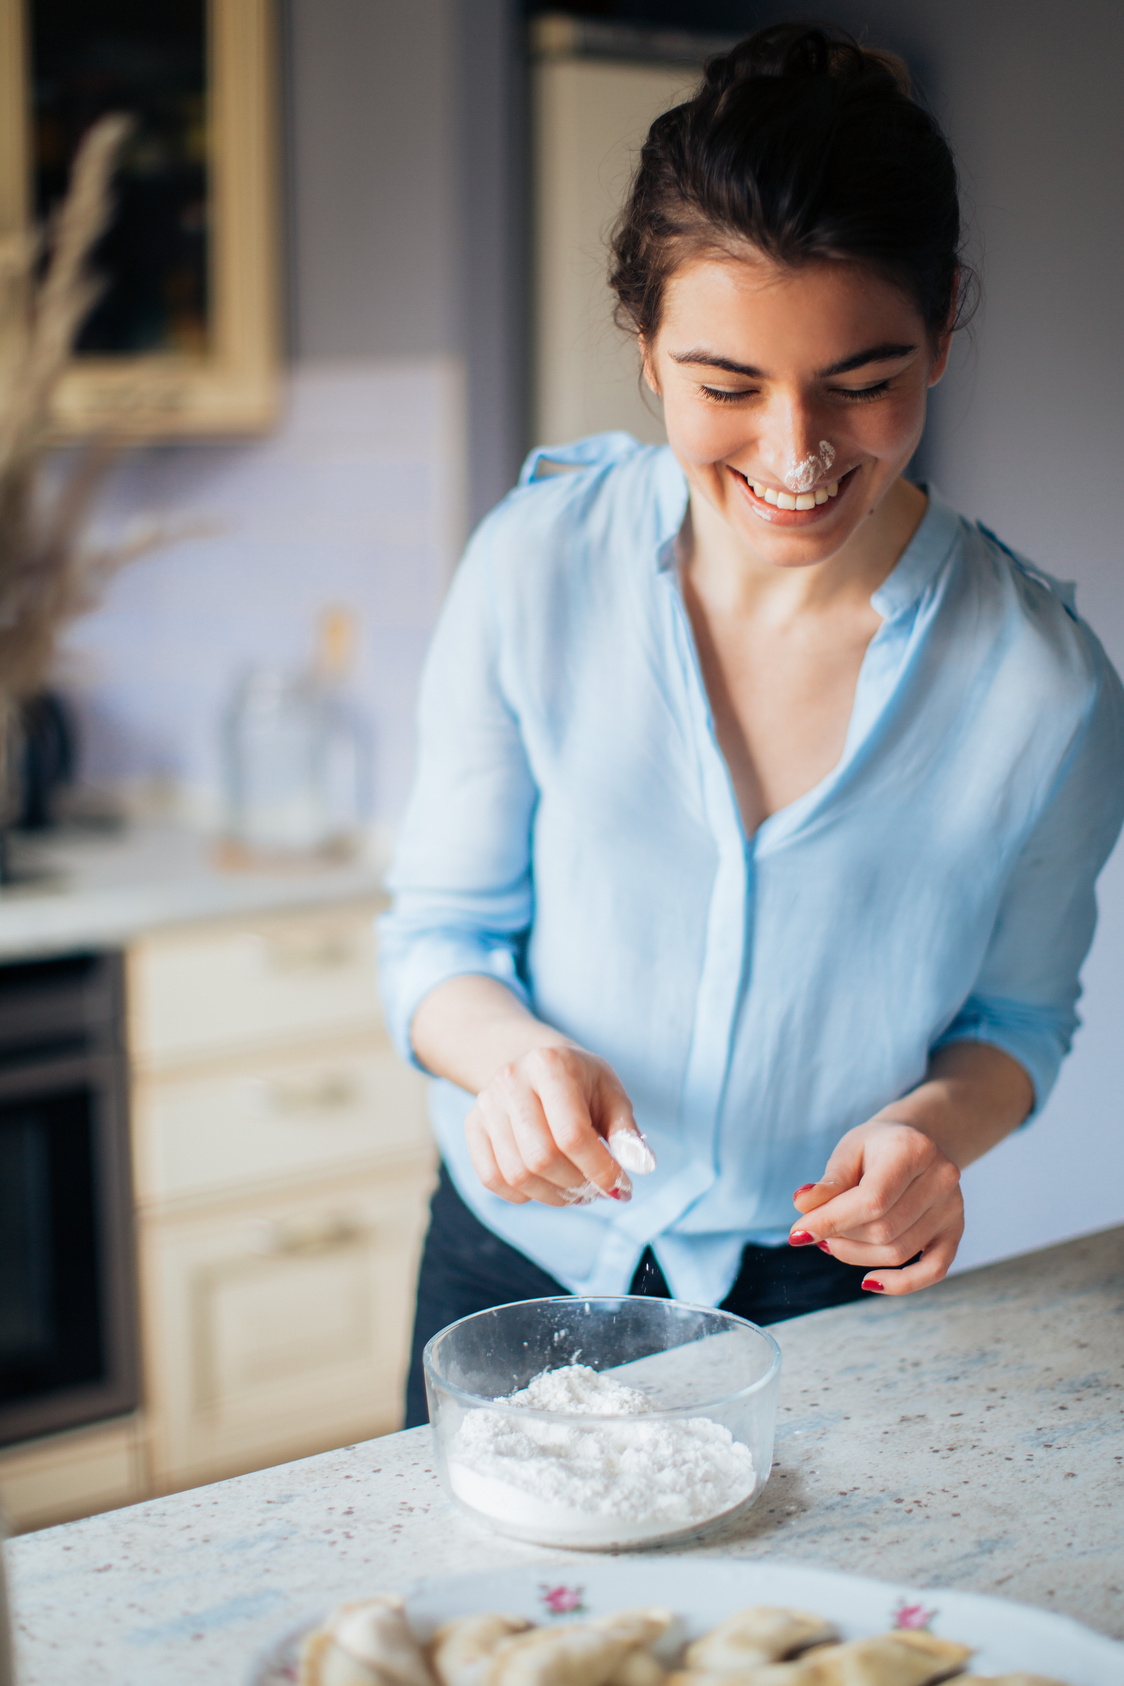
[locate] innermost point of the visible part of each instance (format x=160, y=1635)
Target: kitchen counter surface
x=84, y=889
x=968, y=1437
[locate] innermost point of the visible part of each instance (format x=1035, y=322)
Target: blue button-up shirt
x=573, y=832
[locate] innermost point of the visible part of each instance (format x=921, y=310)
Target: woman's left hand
x=887, y=1195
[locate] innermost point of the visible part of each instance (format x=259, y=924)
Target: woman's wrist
x=973, y=1096
x=469, y=1028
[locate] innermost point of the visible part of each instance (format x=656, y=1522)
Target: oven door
x=67, y=1287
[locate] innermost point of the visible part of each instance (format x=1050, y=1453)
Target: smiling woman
x=760, y=797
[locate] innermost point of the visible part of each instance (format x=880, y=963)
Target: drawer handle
x=335, y=1091
x=311, y=1232
x=320, y=951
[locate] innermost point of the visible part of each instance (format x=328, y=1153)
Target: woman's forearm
x=973, y=1095
x=468, y=1028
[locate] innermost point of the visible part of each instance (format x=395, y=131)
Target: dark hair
x=807, y=146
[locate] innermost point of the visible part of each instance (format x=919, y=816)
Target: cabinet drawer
x=70, y=1475
x=235, y=1127
x=219, y=987
x=280, y=1330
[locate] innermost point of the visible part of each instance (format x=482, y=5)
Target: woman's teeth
x=802, y=500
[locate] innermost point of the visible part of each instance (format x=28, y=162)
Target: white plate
x=1008, y=1637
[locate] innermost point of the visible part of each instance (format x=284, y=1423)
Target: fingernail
x=804, y=1187
x=823, y=1247
x=873, y=1287
x=631, y=1151
x=800, y=1238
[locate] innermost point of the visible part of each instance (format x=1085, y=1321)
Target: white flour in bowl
x=599, y=1484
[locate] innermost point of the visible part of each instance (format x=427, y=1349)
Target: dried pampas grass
x=49, y=573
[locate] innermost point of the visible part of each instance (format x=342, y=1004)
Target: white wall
x=357, y=500
x=1027, y=437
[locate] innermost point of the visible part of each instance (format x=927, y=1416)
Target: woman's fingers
x=898, y=1198
x=575, y=1097
x=536, y=1131
x=876, y=1163
x=933, y=1266
x=484, y=1160
x=939, y=1217
x=896, y=1224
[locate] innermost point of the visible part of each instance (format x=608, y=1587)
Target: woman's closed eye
x=849, y=394
x=727, y=394
x=861, y=394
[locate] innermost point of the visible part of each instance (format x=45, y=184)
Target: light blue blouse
x=574, y=833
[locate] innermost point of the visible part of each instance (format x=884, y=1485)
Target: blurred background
x=355, y=273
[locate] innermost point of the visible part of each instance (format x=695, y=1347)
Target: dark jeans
x=465, y=1268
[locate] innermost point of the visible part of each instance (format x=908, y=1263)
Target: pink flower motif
x=913, y=1616
x=562, y=1600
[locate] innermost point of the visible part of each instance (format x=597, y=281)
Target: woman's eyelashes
x=849, y=394
x=860, y=394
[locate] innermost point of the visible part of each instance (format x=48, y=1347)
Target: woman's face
x=793, y=398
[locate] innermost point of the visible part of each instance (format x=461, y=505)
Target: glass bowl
x=694, y=1451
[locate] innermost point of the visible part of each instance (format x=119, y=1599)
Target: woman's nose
x=795, y=449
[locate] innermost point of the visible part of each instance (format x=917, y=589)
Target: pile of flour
x=565, y=1483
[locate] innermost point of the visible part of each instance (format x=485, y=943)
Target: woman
x=760, y=797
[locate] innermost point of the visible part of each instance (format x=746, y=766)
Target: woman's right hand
x=539, y=1130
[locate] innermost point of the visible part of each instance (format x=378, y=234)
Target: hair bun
x=800, y=50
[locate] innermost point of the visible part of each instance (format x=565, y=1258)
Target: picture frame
x=225, y=378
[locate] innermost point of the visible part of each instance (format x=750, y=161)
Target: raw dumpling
x=461, y=1651
x=752, y=1637
x=365, y=1644
x=569, y=1656
x=893, y=1659
x=1007, y=1680
x=639, y=1668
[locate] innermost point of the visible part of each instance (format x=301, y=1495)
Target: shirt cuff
x=1038, y=1047
x=410, y=970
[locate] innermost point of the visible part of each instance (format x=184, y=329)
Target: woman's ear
x=944, y=340
x=647, y=366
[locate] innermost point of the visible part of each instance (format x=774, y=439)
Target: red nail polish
x=824, y=1248
x=804, y=1187
x=800, y=1238
x=873, y=1287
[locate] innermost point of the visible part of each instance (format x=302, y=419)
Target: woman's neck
x=726, y=569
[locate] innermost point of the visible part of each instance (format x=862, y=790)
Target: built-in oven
x=68, y=1343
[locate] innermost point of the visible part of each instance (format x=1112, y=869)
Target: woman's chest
x=781, y=696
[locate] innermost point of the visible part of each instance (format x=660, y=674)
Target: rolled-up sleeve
x=461, y=878
x=1025, y=996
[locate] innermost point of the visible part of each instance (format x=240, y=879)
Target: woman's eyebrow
x=873, y=354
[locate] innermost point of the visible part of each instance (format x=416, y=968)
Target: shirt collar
x=926, y=552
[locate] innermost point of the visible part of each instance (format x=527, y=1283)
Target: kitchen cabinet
x=282, y=1164
x=278, y=1324
x=74, y=1474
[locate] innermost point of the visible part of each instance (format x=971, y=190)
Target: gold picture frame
x=232, y=386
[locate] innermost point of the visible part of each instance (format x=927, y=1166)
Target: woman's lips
x=776, y=516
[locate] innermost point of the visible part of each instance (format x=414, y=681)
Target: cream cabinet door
x=221, y=1130
x=281, y=1328
x=72, y=1474
x=226, y=986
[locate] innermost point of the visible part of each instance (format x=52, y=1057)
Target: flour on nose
x=801, y=476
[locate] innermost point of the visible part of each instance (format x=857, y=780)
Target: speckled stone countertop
x=84, y=889
x=968, y=1437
